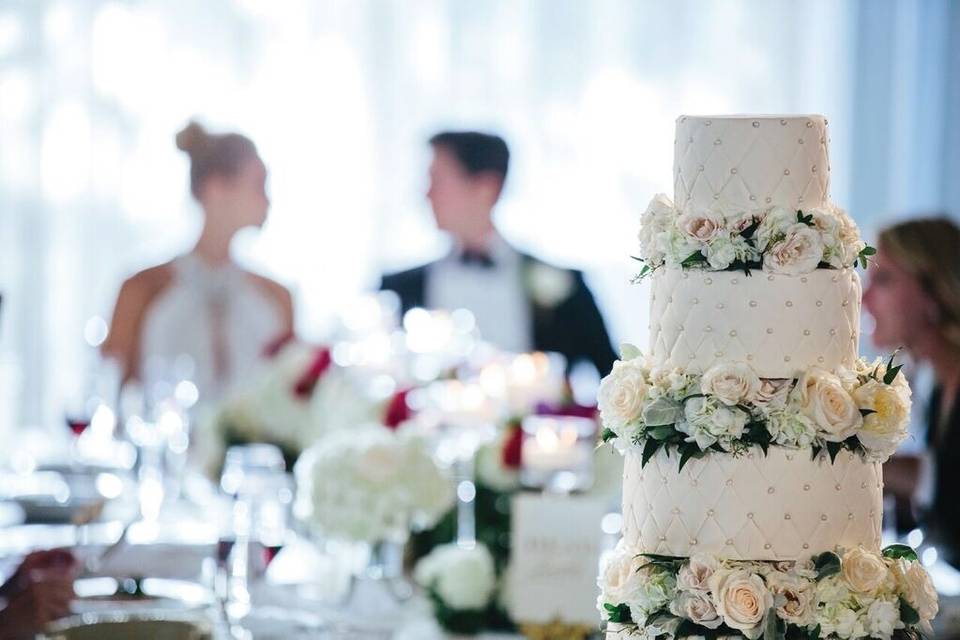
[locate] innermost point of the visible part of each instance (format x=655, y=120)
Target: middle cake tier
x=782, y=505
x=781, y=325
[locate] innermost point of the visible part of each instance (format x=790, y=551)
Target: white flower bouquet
x=775, y=240
x=729, y=408
x=856, y=594
x=461, y=583
x=370, y=484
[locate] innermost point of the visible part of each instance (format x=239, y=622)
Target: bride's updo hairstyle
x=213, y=154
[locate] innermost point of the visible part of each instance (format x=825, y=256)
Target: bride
x=201, y=304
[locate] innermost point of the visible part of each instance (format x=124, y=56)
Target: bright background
x=341, y=95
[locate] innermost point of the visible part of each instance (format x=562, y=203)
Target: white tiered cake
x=753, y=433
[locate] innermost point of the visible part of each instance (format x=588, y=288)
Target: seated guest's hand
x=39, y=591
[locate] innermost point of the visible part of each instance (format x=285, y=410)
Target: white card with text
x=555, y=554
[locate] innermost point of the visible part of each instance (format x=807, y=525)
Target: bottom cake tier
x=853, y=593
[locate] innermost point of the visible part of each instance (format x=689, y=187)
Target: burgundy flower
x=568, y=409
x=304, y=387
x=398, y=411
x=512, y=454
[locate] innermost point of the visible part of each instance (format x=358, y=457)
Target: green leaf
x=661, y=433
x=775, y=629
x=833, y=448
x=814, y=633
x=749, y=231
x=900, y=551
x=629, y=351
x=807, y=220
x=687, y=451
x=868, y=251
x=607, y=435
x=694, y=259
x=650, y=447
x=891, y=374
x=826, y=564
x=866, y=412
x=619, y=614
x=662, y=412
x=908, y=615
x=815, y=451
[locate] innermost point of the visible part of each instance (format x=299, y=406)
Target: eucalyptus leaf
x=661, y=433
x=662, y=412
x=629, y=351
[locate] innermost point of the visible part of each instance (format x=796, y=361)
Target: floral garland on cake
x=729, y=408
x=776, y=240
x=857, y=593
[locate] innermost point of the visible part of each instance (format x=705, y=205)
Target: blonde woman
x=914, y=298
x=201, y=304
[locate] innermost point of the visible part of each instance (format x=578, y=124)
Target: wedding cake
x=754, y=434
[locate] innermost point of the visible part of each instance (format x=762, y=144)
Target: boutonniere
x=548, y=286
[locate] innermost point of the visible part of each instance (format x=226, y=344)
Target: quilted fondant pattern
x=779, y=506
x=741, y=163
x=780, y=325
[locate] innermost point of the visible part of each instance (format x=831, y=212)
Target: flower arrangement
x=299, y=395
x=775, y=240
x=857, y=593
x=729, y=408
x=370, y=484
x=461, y=583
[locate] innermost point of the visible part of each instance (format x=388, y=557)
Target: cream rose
x=914, y=583
x=886, y=427
x=823, y=399
x=697, y=608
x=742, y=600
x=773, y=392
x=622, y=394
x=701, y=226
x=695, y=575
x=653, y=223
x=800, y=251
x=620, y=575
x=731, y=382
x=863, y=571
x=794, y=595
x=774, y=225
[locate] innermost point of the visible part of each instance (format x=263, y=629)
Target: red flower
x=398, y=411
x=512, y=454
x=304, y=387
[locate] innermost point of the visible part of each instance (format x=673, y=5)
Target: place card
x=555, y=553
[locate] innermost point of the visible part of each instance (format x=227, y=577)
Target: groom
x=520, y=303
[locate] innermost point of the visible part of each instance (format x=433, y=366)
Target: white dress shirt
x=495, y=294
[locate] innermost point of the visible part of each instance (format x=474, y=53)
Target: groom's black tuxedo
x=572, y=326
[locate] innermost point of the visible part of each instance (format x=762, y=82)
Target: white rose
x=622, y=394
x=823, y=399
x=697, y=608
x=914, y=583
x=696, y=573
x=850, y=243
x=791, y=429
x=742, y=600
x=800, y=251
x=885, y=428
x=731, y=382
x=620, y=575
x=720, y=253
x=883, y=618
x=707, y=421
x=464, y=579
x=654, y=222
x=793, y=596
x=773, y=392
x=701, y=226
x=864, y=571
x=774, y=226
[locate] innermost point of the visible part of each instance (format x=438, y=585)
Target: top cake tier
x=735, y=164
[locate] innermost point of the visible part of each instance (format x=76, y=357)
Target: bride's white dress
x=215, y=321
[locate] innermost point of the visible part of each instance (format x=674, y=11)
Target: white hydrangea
x=465, y=579
x=707, y=421
x=790, y=428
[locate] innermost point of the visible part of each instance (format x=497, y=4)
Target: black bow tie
x=476, y=259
